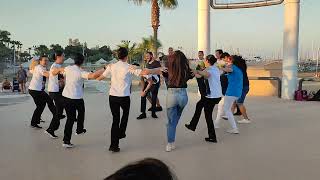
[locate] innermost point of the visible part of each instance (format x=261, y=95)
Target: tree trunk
x=155, y=40
x=155, y=21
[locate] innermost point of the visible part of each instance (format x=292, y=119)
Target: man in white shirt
x=212, y=98
x=119, y=95
x=73, y=97
x=55, y=93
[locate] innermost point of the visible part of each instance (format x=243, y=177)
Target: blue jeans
x=177, y=99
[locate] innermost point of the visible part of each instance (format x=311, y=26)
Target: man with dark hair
x=212, y=75
x=218, y=53
x=55, y=92
x=119, y=95
x=73, y=97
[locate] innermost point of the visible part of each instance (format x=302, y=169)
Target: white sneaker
x=67, y=145
x=173, y=146
x=170, y=147
x=233, y=131
x=244, y=121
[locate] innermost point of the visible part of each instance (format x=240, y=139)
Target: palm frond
x=140, y=2
x=168, y=4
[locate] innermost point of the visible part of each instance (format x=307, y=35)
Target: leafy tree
x=42, y=50
x=5, y=52
x=155, y=15
x=106, y=50
x=72, y=50
x=5, y=37
x=55, y=47
x=24, y=56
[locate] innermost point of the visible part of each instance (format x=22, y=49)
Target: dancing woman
x=178, y=73
x=37, y=92
x=233, y=93
x=213, y=97
x=73, y=97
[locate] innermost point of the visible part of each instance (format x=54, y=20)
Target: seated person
x=6, y=85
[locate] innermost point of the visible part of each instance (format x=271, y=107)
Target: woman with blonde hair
x=37, y=92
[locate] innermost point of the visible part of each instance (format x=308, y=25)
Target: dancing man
x=73, y=97
x=212, y=97
x=119, y=95
x=55, y=92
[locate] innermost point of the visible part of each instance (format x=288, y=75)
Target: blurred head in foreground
x=147, y=169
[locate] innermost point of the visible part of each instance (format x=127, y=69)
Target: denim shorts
x=245, y=91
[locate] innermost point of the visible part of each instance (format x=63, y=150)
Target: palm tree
x=147, y=44
x=5, y=38
x=19, y=46
x=155, y=15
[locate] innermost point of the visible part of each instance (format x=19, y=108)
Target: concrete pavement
x=282, y=143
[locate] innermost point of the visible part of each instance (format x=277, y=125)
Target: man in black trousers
x=119, y=95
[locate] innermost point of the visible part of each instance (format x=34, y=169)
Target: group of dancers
x=222, y=79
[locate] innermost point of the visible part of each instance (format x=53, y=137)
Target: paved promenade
x=282, y=144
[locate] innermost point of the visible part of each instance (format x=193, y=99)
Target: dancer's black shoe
x=114, y=149
x=142, y=116
x=188, y=126
x=212, y=140
x=35, y=126
x=154, y=116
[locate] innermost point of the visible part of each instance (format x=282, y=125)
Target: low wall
x=261, y=87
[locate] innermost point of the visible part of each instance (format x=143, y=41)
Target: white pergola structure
x=290, y=37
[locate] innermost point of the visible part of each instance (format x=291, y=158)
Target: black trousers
x=154, y=96
x=58, y=101
x=208, y=105
x=40, y=101
x=119, y=127
x=73, y=106
x=49, y=102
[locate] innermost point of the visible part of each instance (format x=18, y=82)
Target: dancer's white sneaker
x=244, y=121
x=170, y=147
x=173, y=146
x=233, y=131
x=67, y=145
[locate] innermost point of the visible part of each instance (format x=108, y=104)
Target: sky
x=106, y=22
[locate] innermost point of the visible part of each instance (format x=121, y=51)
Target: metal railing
x=301, y=80
x=240, y=5
x=270, y=79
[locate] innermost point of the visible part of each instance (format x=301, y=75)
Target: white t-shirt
x=53, y=84
x=121, y=78
x=214, y=82
x=74, y=78
x=37, y=78
x=220, y=64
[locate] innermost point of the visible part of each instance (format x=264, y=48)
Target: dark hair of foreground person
x=147, y=169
